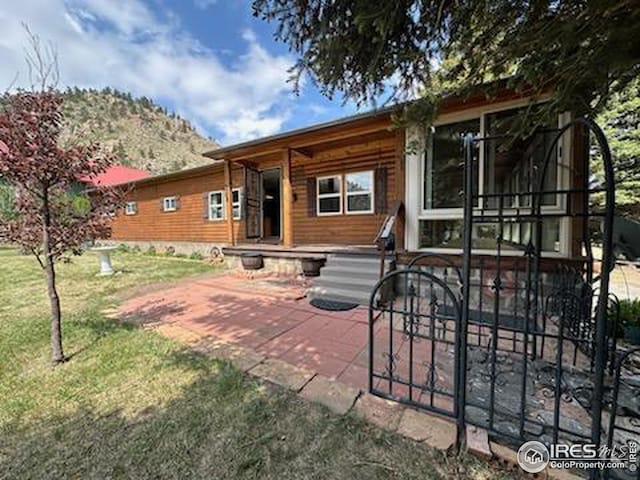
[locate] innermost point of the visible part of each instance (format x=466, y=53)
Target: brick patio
x=267, y=315
x=266, y=327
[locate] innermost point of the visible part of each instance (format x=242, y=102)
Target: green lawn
x=132, y=404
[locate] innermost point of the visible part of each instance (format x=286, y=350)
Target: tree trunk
x=57, y=354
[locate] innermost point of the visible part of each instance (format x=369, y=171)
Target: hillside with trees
x=138, y=132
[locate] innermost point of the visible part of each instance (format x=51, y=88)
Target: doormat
x=332, y=305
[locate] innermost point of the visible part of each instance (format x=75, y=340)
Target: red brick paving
x=269, y=318
x=273, y=320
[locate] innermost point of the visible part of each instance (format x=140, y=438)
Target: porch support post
x=287, y=200
x=228, y=186
x=399, y=176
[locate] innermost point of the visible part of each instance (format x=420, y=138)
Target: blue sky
x=210, y=61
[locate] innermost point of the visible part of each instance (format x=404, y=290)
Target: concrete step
x=329, y=284
x=348, y=278
x=357, y=259
x=356, y=264
x=346, y=282
x=340, y=294
x=339, y=271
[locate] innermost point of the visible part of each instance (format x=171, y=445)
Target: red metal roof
x=116, y=175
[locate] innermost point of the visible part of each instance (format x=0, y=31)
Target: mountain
x=138, y=132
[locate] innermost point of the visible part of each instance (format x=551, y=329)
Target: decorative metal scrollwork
x=430, y=375
x=391, y=365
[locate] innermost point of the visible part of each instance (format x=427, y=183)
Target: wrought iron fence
x=521, y=342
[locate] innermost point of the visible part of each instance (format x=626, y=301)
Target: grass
x=132, y=404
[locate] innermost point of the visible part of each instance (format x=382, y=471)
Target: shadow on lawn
x=152, y=312
x=99, y=328
x=223, y=425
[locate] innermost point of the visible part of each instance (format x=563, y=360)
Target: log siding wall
x=188, y=222
x=342, y=229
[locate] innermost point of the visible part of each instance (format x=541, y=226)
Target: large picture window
x=506, y=172
x=359, y=188
x=511, y=166
x=329, y=195
x=443, y=172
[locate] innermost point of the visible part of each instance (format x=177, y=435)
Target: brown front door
x=253, y=203
x=271, y=204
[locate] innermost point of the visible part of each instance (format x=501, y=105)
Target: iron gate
x=413, y=340
x=520, y=342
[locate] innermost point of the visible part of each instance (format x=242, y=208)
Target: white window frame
x=237, y=204
x=222, y=204
x=355, y=194
x=166, y=201
x=415, y=171
x=131, y=211
x=320, y=196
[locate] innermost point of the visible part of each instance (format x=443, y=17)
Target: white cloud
x=204, y=4
x=127, y=46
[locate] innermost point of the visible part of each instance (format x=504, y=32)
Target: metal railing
x=385, y=239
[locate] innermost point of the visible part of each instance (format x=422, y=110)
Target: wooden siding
x=343, y=229
x=187, y=223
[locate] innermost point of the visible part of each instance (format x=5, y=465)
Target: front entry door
x=271, y=205
x=253, y=203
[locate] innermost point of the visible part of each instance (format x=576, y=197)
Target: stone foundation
x=280, y=265
x=187, y=248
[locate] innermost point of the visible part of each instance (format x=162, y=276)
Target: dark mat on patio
x=332, y=305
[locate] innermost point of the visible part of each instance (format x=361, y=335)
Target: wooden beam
x=400, y=178
x=303, y=153
x=287, y=200
x=305, y=141
x=228, y=188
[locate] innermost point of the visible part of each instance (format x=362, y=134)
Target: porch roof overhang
x=302, y=139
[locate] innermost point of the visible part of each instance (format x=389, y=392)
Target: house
x=507, y=301
x=327, y=189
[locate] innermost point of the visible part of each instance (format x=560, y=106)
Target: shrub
x=136, y=249
x=169, y=251
x=123, y=248
x=630, y=312
x=196, y=256
x=151, y=250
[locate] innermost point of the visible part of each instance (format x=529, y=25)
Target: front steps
x=348, y=277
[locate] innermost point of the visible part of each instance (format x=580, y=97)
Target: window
x=510, y=166
x=216, y=205
x=505, y=174
x=359, y=188
x=131, y=208
x=169, y=204
x=444, y=169
x=329, y=195
x=516, y=234
x=237, y=203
